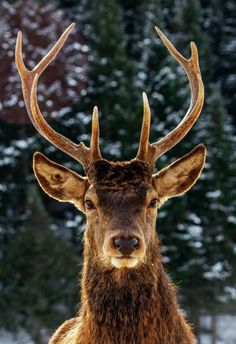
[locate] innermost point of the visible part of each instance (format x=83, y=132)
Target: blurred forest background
x=112, y=56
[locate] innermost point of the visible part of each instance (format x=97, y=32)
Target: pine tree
x=220, y=24
x=20, y=247
x=213, y=213
x=58, y=89
x=218, y=201
x=161, y=76
x=109, y=83
x=39, y=274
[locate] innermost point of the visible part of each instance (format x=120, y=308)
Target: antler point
x=159, y=32
x=194, y=50
x=19, y=35
x=70, y=27
x=144, y=96
x=95, y=113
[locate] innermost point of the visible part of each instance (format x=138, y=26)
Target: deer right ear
x=180, y=176
x=59, y=182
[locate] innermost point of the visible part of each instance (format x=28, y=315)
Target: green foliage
x=109, y=83
x=39, y=247
x=38, y=288
x=218, y=200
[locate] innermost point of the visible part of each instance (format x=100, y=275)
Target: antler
x=29, y=81
x=151, y=152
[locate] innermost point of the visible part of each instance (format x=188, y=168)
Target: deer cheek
x=149, y=228
x=97, y=232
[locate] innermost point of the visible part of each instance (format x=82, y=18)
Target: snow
x=231, y=292
x=113, y=149
x=226, y=333
x=19, y=338
x=195, y=218
x=195, y=231
x=217, y=271
x=214, y=194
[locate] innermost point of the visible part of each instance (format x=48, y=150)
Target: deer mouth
x=124, y=262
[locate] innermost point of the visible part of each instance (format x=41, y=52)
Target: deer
x=126, y=295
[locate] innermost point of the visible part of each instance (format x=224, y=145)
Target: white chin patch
x=124, y=262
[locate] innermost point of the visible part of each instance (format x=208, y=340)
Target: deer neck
x=124, y=305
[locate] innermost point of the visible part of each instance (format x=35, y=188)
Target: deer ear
x=59, y=182
x=180, y=176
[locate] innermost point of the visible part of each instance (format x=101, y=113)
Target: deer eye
x=153, y=203
x=89, y=204
x=57, y=177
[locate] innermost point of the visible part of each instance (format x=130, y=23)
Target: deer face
x=120, y=200
x=121, y=209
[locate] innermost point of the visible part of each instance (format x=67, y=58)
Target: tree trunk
x=194, y=320
x=214, y=328
x=37, y=338
x=34, y=329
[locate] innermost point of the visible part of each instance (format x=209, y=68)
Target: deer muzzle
x=124, y=250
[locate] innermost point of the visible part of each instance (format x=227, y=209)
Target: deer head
x=120, y=199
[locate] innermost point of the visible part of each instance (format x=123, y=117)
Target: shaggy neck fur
x=130, y=306
x=124, y=306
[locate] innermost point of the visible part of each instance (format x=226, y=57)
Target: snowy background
x=110, y=58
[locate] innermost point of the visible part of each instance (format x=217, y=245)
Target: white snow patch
x=214, y=194
x=18, y=338
x=195, y=231
x=216, y=271
x=226, y=333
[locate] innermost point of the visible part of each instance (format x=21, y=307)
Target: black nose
x=126, y=245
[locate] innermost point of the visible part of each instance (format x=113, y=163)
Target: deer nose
x=126, y=245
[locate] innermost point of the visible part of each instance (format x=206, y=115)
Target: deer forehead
x=123, y=199
x=121, y=184
x=119, y=175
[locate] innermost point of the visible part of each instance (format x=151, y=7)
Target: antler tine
x=29, y=86
x=51, y=55
x=78, y=152
x=144, y=137
x=94, y=143
x=27, y=76
x=192, y=69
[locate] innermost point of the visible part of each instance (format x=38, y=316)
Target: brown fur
x=136, y=306
x=125, y=305
x=119, y=174
x=62, y=332
x=128, y=307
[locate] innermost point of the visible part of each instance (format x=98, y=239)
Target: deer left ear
x=59, y=182
x=180, y=176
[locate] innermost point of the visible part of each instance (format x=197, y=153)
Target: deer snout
x=126, y=246
x=124, y=249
